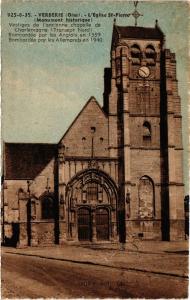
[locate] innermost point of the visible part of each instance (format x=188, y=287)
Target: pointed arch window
x=47, y=208
x=146, y=132
x=150, y=54
x=136, y=54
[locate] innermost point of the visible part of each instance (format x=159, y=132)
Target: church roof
x=139, y=32
x=26, y=160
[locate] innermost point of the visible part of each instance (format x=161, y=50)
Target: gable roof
x=139, y=32
x=92, y=99
x=26, y=160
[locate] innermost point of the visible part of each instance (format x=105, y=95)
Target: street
x=33, y=277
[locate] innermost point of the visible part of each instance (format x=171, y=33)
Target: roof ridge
x=138, y=32
x=130, y=26
x=29, y=143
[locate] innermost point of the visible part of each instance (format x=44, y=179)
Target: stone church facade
x=116, y=174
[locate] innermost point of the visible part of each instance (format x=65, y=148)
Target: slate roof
x=26, y=161
x=139, y=32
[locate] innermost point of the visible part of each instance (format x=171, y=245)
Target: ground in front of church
x=141, y=270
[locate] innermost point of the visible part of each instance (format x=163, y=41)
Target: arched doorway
x=102, y=224
x=84, y=224
x=91, y=199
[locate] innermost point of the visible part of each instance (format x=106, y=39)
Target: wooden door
x=102, y=224
x=84, y=224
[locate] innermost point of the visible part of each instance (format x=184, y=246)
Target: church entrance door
x=84, y=224
x=102, y=224
x=91, y=198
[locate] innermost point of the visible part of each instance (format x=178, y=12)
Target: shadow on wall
x=186, y=205
x=12, y=241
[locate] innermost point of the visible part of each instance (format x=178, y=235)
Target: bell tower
x=143, y=107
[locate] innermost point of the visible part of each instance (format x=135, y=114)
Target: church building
x=116, y=174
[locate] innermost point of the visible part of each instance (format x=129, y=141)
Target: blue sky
x=45, y=86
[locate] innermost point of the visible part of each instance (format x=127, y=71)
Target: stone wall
x=15, y=199
x=90, y=123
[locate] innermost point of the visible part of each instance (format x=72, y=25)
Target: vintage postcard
x=95, y=188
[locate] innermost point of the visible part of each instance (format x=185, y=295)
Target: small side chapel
x=116, y=174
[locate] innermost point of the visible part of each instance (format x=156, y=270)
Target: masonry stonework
x=116, y=174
